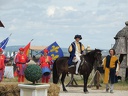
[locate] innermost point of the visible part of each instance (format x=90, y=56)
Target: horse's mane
x=91, y=52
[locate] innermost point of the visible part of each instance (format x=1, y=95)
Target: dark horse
x=61, y=67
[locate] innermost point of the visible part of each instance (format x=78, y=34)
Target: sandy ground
x=78, y=91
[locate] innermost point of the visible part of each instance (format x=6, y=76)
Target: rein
x=87, y=63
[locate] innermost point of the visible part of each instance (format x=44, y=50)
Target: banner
x=26, y=49
x=4, y=43
x=54, y=51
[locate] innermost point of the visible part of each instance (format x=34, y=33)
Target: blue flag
x=54, y=51
x=4, y=43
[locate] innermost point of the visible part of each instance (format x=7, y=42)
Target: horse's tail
x=55, y=74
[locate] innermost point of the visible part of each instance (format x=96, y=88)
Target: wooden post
x=31, y=53
x=95, y=80
x=72, y=81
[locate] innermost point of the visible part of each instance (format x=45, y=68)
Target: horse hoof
x=86, y=92
x=97, y=87
x=65, y=90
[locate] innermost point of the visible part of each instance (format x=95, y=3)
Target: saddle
x=72, y=65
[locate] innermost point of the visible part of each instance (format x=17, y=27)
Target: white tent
x=8, y=54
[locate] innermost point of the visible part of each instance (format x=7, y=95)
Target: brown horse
x=60, y=66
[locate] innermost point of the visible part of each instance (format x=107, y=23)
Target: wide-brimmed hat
x=78, y=36
x=21, y=49
x=1, y=50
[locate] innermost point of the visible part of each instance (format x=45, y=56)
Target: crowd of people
x=111, y=63
x=21, y=61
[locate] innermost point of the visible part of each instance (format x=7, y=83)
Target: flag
x=1, y=24
x=54, y=51
x=26, y=49
x=4, y=43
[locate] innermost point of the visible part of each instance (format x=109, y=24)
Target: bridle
x=97, y=56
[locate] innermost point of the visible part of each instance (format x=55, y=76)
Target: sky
x=46, y=21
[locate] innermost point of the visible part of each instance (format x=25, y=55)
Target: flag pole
x=31, y=40
x=1, y=24
x=10, y=35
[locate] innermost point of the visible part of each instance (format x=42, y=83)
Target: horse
x=60, y=66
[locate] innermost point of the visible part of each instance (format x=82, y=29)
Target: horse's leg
x=85, y=77
x=62, y=81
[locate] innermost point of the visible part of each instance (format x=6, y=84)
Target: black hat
x=78, y=36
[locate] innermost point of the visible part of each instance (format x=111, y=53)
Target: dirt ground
x=78, y=91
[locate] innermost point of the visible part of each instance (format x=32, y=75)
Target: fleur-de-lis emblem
x=54, y=57
x=54, y=48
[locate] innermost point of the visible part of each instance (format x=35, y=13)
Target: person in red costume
x=2, y=65
x=21, y=60
x=45, y=61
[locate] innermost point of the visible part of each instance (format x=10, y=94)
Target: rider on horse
x=75, y=49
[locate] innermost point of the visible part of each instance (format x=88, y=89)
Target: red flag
x=1, y=24
x=26, y=49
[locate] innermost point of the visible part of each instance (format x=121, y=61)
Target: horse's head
x=94, y=56
x=98, y=56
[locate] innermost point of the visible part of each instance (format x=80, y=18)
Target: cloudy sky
x=46, y=21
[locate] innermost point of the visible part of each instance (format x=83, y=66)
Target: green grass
x=121, y=85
